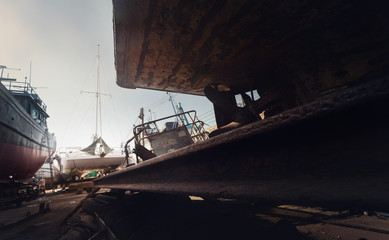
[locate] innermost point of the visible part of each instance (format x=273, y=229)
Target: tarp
x=91, y=149
x=92, y=174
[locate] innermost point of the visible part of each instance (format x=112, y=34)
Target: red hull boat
x=25, y=143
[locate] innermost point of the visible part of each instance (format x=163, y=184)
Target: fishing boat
x=25, y=142
x=98, y=155
x=165, y=135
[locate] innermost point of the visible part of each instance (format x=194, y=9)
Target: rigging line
x=158, y=103
x=136, y=120
x=130, y=133
x=156, y=106
x=207, y=119
x=70, y=118
x=210, y=110
x=161, y=101
x=113, y=104
x=208, y=125
x=85, y=117
x=79, y=96
x=82, y=119
x=209, y=122
x=206, y=113
x=131, y=127
x=207, y=116
x=164, y=100
x=92, y=64
x=117, y=121
x=108, y=122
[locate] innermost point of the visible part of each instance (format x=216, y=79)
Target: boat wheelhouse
x=25, y=94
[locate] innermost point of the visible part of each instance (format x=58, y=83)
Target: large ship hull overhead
x=295, y=51
x=25, y=143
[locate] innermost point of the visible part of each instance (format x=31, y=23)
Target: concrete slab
x=43, y=226
x=14, y=215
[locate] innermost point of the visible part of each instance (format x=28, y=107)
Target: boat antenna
x=2, y=70
x=30, y=71
x=2, y=67
x=172, y=102
x=142, y=116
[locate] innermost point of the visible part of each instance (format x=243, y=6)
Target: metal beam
x=332, y=152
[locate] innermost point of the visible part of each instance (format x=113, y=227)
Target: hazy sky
x=60, y=38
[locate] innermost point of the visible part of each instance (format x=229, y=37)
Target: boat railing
x=185, y=126
x=188, y=119
x=25, y=89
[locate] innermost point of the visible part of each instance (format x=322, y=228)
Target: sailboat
x=98, y=155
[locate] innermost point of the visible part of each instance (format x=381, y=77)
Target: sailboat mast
x=102, y=148
x=98, y=86
x=97, y=96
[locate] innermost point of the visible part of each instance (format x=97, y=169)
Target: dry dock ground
x=44, y=225
x=311, y=223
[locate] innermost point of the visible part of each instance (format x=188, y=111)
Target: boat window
x=239, y=100
x=34, y=113
x=21, y=101
x=43, y=121
x=252, y=94
x=169, y=126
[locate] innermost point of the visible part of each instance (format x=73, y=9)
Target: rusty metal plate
x=294, y=50
x=330, y=152
x=171, y=140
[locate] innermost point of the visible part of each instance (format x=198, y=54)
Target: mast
x=30, y=71
x=98, y=128
x=98, y=84
x=98, y=98
x=98, y=94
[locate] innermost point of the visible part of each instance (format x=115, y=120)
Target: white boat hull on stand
x=83, y=161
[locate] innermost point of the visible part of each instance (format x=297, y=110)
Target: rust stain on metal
x=295, y=51
x=330, y=151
